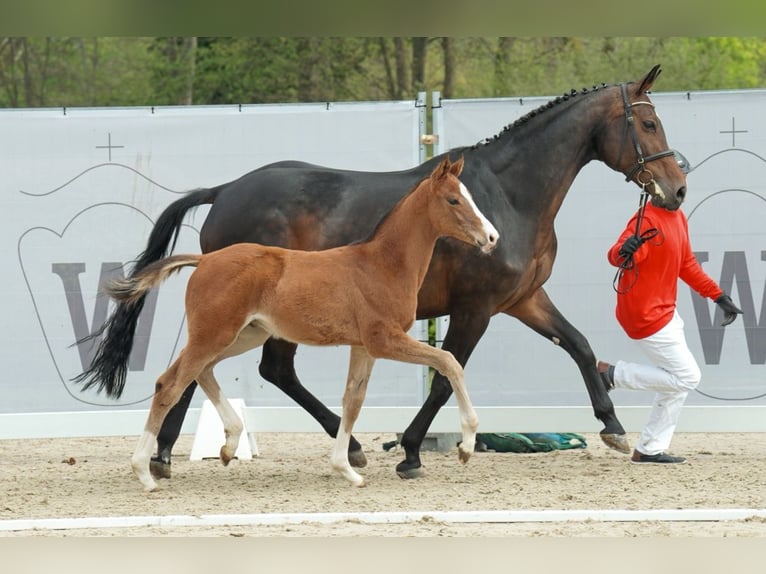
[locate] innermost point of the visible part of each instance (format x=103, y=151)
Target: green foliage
x=46, y=72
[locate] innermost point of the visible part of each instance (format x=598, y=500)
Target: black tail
x=109, y=367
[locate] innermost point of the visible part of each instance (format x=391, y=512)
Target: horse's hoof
x=409, y=472
x=357, y=459
x=463, y=455
x=617, y=442
x=159, y=469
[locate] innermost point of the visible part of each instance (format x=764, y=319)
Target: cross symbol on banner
x=109, y=146
x=733, y=132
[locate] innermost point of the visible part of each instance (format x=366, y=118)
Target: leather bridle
x=643, y=175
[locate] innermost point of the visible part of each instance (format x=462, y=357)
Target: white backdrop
x=82, y=188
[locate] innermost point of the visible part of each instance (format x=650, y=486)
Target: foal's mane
x=536, y=112
x=390, y=211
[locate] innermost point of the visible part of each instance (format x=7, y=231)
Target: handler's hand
x=630, y=246
x=730, y=310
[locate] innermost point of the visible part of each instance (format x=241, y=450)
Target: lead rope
x=627, y=264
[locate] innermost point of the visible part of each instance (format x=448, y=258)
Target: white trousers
x=672, y=374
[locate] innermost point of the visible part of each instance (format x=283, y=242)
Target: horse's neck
x=405, y=240
x=542, y=157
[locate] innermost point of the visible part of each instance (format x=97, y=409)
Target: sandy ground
x=55, y=478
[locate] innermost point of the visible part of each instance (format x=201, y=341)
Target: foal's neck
x=404, y=241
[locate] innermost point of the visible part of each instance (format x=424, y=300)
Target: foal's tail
x=110, y=364
x=109, y=367
x=131, y=290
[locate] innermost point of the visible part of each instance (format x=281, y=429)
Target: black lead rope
x=627, y=264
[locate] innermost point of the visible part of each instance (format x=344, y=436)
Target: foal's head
x=452, y=210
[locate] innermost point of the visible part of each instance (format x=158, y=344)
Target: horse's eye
x=453, y=201
x=650, y=125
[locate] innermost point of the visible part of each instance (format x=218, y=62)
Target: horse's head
x=453, y=211
x=635, y=144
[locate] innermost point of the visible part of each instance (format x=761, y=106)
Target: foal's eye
x=453, y=201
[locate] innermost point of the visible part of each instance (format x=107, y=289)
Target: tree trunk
x=308, y=64
x=403, y=84
x=390, y=81
x=448, y=48
x=190, y=68
x=503, y=81
x=419, y=52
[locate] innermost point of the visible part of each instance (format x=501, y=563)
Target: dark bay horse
x=364, y=295
x=519, y=179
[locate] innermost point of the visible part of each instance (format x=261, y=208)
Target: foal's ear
x=441, y=170
x=648, y=81
x=457, y=168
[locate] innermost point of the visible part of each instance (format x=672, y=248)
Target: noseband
x=643, y=176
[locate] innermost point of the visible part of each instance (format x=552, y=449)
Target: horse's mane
x=536, y=112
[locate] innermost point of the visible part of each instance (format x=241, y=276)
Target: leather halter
x=643, y=176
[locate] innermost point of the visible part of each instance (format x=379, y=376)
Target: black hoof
x=617, y=442
x=357, y=459
x=159, y=469
x=407, y=472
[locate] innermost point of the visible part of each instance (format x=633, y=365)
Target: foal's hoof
x=357, y=459
x=225, y=456
x=159, y=469
x=617, y=442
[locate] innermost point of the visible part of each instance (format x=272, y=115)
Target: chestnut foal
x=363, y=295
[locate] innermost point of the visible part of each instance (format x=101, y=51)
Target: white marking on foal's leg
x=469, y=421
x=141, y=459
x=232, y=425
x=339, y=457
x=359, y=369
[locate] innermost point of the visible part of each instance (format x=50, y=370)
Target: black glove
x=630, y=246
x=730, y=310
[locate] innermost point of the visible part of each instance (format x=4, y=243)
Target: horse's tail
x=130, y=290
x=109, y=366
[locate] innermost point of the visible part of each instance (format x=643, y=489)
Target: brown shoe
x=661, y=458
x=607, y=374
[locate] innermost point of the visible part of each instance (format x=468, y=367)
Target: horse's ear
x=648, y=81
x=457, y=168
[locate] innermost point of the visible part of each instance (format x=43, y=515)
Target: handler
x=653, y=252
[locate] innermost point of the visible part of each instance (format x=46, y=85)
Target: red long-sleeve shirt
x=648, y=305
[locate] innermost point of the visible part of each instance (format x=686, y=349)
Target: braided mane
x=529, y=115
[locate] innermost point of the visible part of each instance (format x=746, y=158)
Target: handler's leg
x=673, y=373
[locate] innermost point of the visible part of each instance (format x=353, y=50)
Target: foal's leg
x=232, y=425
x=466, y=327
x=168, y=389
x=399, y=346
x=359, y=369
x=278, y=367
